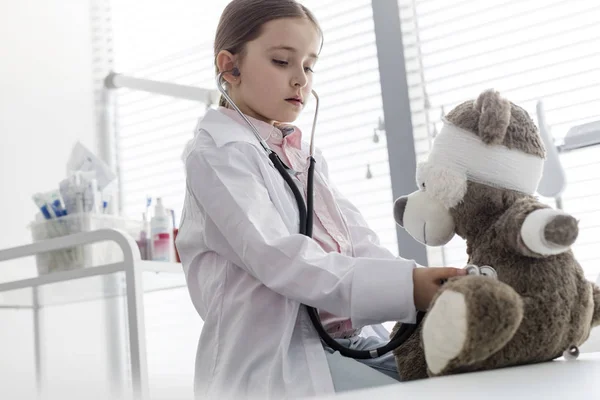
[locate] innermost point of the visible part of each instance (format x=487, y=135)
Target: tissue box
x=80, y=256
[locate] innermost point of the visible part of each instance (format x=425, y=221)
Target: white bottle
x=160, y=228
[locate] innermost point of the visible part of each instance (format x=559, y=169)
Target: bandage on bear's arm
x=535, y=230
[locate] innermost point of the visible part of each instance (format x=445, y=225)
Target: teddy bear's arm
x=535, y=230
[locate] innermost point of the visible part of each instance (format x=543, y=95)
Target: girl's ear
x=226, y=62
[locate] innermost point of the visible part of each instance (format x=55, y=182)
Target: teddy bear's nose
x=399, y=207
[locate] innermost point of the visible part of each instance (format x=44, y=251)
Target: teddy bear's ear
x=494, y=116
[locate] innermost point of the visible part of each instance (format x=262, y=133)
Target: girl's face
x=276, y=71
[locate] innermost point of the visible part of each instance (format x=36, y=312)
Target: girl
x=248, y=269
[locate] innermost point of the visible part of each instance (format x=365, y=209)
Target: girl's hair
x=242, y=20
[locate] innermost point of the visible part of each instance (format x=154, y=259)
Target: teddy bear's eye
x=423, y=185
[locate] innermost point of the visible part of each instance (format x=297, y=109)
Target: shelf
x=88, y=284
x=110, y=272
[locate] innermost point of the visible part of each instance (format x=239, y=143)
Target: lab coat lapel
x=224, y=130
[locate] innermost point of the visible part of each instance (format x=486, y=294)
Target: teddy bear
x=525, y=298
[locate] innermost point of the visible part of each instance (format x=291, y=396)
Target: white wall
x=46, y=104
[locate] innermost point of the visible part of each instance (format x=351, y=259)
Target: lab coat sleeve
x=227, y=183
x=364, y=240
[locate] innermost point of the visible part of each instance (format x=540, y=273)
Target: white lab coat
x=248, y=271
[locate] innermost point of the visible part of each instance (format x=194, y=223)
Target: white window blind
x=170, y=42
x=529, y=51
x=152, y=130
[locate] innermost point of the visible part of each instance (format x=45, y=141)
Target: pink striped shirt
x=329, y=229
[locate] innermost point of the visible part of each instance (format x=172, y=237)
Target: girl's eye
x=284, y=63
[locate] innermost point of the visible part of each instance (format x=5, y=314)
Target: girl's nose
x=300, y=79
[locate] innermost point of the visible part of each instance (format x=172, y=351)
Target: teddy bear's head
x=487, y=155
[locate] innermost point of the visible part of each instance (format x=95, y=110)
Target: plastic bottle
x=160, y=228
x=162, y=247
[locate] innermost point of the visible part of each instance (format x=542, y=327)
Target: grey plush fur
x=540, y=305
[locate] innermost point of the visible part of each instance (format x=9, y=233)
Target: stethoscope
x=306, y=224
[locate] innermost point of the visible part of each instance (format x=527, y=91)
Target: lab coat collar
x=237, y=130
x=272, y=134
x=223, y=129
x=265, y=129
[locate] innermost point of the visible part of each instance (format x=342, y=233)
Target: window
x=170, y=42
x=529, y=51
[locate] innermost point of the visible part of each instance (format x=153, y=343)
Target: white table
x=560, y=379
x=130, y=278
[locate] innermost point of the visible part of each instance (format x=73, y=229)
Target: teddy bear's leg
x=470, y=319
x=410, y=359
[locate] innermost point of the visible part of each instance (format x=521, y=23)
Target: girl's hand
x=427, y=281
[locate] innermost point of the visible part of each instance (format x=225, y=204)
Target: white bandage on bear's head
x=463, y=154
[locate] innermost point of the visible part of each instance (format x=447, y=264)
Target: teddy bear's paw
x=445, y=330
